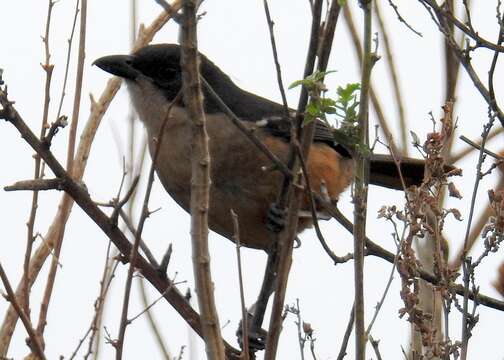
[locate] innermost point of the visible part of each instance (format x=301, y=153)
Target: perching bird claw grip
x=275, y=221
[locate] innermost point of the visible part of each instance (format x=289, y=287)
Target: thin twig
x=119, y=343
x=375, y=343
x=463, y=153
x=443, y=18
x=38, y=172
x=44, y=306
x=475, y=231
x=275, y=57
x=480, y=147
x=392, y=67
x=151, y=305
x=107, y=278
x=244, y=322
x=382, y=299
x=465, y=331
x=350, y=325
x=152, y=320
x=69, y=53
x=289, y=198
x=372, y=248
x=336, y=259
x=11, y=297
x=384, y=124
x=401, y=19
x=98, y=306
x=36, y=185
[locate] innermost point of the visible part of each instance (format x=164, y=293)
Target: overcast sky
x=235, y=36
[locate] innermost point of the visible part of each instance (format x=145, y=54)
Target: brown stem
x=69, y=52
x=344, y=344
x=35, y=185
x=48, y=68
x=160, y=340
x=361, y=181
x=374, y=97
x=119, y=343
x=289, y=196
x=474, y=235
x=275, y=57
x=244, y=321
x=70, y=158
x=372, y=248
x=200, y=184
x=11, y=297
x=392, y=67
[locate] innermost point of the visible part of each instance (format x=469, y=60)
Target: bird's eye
x=167, y=73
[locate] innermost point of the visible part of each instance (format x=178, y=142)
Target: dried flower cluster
x=424, y=217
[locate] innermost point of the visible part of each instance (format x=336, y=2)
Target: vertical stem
x=70, y=157
x=200, y=184
x=289, y=197
x=48, y=68
x=361, y=185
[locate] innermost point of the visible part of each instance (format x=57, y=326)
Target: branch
x=361, y=181
x=244, y=322
x=395, y=79
x=82, y=198
x=289, y=197
x=57, y=228
x=372, y=248
x=119, y=343
x=51, y=277
x=36, y=185
x=11, y=297
x=348, y=332
x=38, y=172
x=200, y=184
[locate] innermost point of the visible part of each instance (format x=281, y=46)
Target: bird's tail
x=383, y=171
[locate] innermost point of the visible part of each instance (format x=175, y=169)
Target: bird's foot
x=256, y=337
x=276, y=218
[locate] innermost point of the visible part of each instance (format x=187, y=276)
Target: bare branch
x=11, y=297
x=200, y=184
x=36, y=185
x=244, y=321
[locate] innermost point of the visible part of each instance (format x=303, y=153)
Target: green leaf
x=313, y=109
x=296, y=84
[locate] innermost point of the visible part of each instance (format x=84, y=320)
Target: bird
x=239, y=180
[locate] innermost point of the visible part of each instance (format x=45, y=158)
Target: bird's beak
x=119, y=65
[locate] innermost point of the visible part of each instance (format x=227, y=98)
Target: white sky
x=235, y=36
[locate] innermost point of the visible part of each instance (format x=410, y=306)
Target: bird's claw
x=276, y=218
x=256, y=338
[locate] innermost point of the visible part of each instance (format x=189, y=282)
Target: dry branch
x=57, y=227
x=200, y=184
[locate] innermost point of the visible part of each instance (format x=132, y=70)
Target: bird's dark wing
x=267, y=115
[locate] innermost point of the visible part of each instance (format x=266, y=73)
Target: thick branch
x=200, y=184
